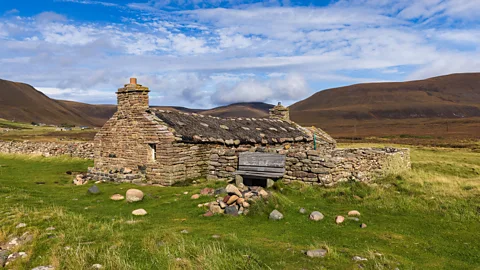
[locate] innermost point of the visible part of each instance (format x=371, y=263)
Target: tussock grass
x=426, y=218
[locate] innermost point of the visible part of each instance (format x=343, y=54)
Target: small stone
x=93, y=190
x=97, y=266
x=316, y=253
x=220, y=191
x=263, y=193
x=339, y=219
x=134, y=195
x=232, y=199
x=231, y=189
x=276, y=215
x=117, y=197
x=208, y=214
x=316, y=216
x=50, y=229
x=215, y=208
x=359, y=259
x=48, y=267
x=245, y=204
x=127, y=170
x=195, y=196
x=207, y=191
x=302, y=210
x=139, y=212
x=222, y=204
x=216, y=236
x=240, y=201
x=184, y=231
x=231, y=210
x=363, y=225
x=353, y=213
x=238, y=180
x=3, y=257
x=353, y=218
x=185, y=193
x=21, y=225
x=270, y=183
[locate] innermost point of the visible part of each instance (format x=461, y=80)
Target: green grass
x=428, y=218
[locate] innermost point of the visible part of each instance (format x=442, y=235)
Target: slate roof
x=195, y=128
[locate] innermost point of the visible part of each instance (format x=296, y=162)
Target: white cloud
x=257, y=52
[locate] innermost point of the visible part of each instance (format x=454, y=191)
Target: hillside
x=414, y=107
x=22, y=102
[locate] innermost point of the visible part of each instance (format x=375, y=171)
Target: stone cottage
x=140, y=143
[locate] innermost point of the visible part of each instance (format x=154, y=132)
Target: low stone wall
x=324, y=167
x=340, y=165
x=73, y=149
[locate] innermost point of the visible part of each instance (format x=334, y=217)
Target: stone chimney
x=132, y=97
x=280, y=112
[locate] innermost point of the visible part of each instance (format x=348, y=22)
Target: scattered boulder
x=208, y=214
x=245, y=204
x=270, y=183
x=339, y=219
x=117, y=197
x=231, y=189
x=134, y=195
x=215, y=208
x=219, y=191
x=232, y=199
x=359, y=259
x=139, y=212
x=48, y=267
x=353, y=213
x=302, y=210
x=263, y=193
x=316, y=216
x=195, y=196
x=207, y=191
x=21, y=225
x=93, y=190
x=231, y=210
x=317, y=253
x=363, y=225
x=238, y=180
x=276, y=215
x=3, y=256
x=97, y=266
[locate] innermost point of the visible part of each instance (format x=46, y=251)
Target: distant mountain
x=23, y=103
x=441, y=106
x=383, y=105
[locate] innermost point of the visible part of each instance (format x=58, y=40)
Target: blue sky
x=208, y=53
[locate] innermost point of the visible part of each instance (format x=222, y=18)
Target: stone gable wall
x=47, y=149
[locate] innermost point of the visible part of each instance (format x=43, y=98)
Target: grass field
x=17, y=131
x=428, y=218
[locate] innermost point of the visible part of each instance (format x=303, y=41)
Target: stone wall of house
x=324, y=167
x=73, y=149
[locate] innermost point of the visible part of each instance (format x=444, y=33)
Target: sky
x=202, y=54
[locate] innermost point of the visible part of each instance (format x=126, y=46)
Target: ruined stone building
x=140, y=143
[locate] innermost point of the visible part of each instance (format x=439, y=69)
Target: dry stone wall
x=73, y=149
x=324, y=167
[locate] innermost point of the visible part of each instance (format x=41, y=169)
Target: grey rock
x=231, y=189
x=276, y=215
x=93, y=190
x=3, y=257
x=238, y=180
x=302, y=210
x=316, y=253
x=316, y=216
x=220, y=191
x=231, y=210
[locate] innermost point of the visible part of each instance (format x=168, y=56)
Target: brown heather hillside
x=441, y=106
x=23, y=103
